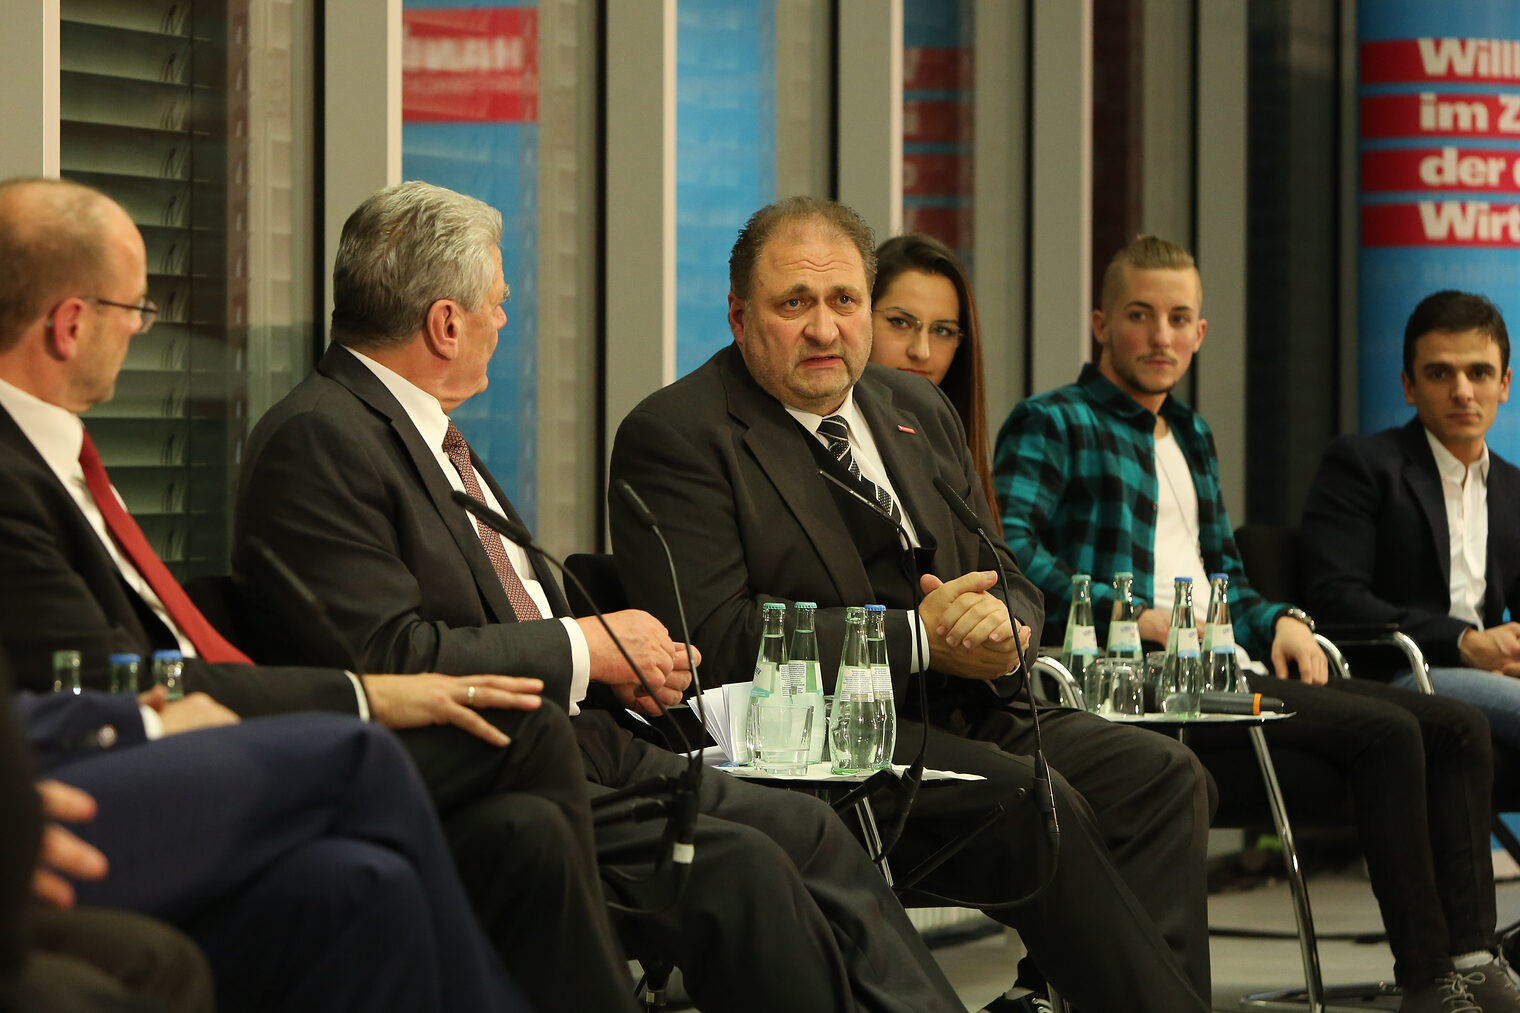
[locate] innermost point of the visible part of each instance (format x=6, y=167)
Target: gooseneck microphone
x=1044, y=788
x=683, y=803
x=646, y=517
x=315, y=609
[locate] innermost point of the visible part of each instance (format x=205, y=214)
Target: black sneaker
x=1493, y=987
x=1447, y=994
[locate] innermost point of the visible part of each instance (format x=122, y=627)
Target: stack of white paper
x=725, y=708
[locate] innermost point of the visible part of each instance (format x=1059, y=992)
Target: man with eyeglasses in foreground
x=376, y=916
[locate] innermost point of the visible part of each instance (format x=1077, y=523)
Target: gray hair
x=403, y=249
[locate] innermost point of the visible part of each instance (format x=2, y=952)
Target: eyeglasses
x=906, y=325
x=147, y=310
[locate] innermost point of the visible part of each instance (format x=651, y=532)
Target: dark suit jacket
x=1376, y=546
x=734, y=482
x=61, y=726
x=60, y=590
x=338, y=482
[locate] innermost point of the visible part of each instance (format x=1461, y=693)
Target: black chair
x=219, y=598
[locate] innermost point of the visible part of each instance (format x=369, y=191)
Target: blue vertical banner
x=725, y=156
x=1438, y=148
x=470, y=123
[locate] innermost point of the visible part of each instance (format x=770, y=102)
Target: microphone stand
x=682, y=807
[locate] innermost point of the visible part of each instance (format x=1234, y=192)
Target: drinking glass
x=779, y=732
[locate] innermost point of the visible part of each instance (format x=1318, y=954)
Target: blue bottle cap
x=125, y=659
x=1184, y=580
x=876, y=608
x=168, y=656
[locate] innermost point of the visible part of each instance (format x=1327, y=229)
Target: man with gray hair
x=351, y=479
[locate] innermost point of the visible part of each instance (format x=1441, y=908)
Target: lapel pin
x=905, y=429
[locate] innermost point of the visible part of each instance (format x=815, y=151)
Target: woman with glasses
x=924, y=321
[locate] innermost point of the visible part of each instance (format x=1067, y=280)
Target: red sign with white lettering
x=1441, y=223
x=1445, y=168
x=474, y=65
x=1430, y=113
x=1394, y=61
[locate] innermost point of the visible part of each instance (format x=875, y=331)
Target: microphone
x=646, y=517
x=1216, y=702
x=682, y=848
x=315, y=609
x=504, y=525
x=913, y=777
x=1044, y=788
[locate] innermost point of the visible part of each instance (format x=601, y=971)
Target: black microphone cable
x=913, y=777
x=999, y=811
x=682, y=806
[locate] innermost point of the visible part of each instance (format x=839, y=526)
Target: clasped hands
x=1496, y=649
x=663, y=661
x=971, y=634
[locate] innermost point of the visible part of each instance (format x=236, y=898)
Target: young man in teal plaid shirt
x=1113, y=474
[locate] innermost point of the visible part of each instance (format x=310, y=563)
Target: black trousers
x=1123, y=924
x=518, y=823
x=781, y=911
x=98, y=958
x=1420, y=773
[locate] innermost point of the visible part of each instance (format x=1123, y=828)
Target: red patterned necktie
x=523, y=605
x=209, y=644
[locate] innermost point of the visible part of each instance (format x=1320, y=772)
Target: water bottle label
x=881, y=681
x=1123, y=636
x=791, y=677
x=1222, y=637
x=1187, y=642
x=855, y=682
x=1084, y=640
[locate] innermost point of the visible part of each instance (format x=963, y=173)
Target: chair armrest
x=1066, y=683
x=1357, y=631
x=1374, y=635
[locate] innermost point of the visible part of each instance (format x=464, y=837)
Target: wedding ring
x=469, y=696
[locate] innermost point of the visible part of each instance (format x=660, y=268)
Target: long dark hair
x=963, y=381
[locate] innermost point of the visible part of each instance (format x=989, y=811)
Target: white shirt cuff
x=153, y=725
x=361, y=700
x=580, y=664
x=920, y=660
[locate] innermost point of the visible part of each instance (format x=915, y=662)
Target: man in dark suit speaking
x=1418, y=525
x=728, y=459
x=351, y=477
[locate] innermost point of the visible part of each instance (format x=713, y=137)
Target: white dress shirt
x=868, y=459
x=1465, y=491
x=1176, y=550
x=57, y=434
x=428, y=416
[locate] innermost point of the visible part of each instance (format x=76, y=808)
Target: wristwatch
x=1301, y=616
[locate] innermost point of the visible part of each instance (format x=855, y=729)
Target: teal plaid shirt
x=1075, y=476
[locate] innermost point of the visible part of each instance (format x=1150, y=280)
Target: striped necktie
x=836, y=431
x=523, y=605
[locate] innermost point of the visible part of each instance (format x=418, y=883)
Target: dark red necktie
x=523, y=605
x=209, y=645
